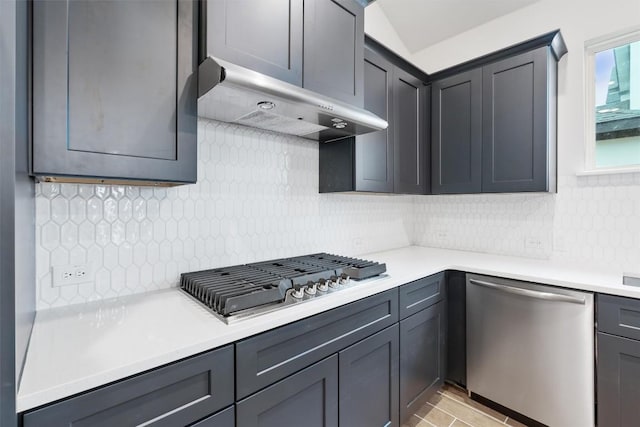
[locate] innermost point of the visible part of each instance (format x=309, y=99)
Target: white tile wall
x=593, y=221
x=256, y=199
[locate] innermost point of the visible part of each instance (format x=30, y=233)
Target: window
x=613, y=103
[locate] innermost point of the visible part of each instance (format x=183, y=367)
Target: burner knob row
x=323, y=285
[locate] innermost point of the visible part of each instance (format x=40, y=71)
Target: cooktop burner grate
x=231, y=290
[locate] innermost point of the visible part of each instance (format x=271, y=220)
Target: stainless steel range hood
x=231, y=93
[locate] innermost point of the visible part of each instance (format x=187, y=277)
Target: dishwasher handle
x=548, y=296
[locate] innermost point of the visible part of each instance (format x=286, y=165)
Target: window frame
x=592, y=47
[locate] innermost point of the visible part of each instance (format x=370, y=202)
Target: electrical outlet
x=70, y=274
x=533, y=242
x=441, y=235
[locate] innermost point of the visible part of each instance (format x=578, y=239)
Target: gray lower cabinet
x=273, y=355
x=618, y=381
x=224, y=418
x=178, y=394
x=456, y=327
x=519, y=131
x=456, y=138
x=618, y=361
x=422, y=357
x=308, y=398
x=114, y=91
x=422, y=293
x=265, y=35
x=368, y=390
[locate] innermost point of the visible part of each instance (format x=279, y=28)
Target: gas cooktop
x=243, y=291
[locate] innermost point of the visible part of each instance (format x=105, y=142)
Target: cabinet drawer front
x=618, y=379
x=308, y=398
x=619, y=316
x=178, y=394
x=418, y=295
x=269, y=357
x=226, y=418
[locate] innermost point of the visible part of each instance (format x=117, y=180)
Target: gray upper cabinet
x=334, y=48
x=494, y=121
x=393, y=160
x=456, y=140
x=318, y=45
x=265, y=36
x=374, y=151
x=518, y=147
x=114, y=91
x=411, y=127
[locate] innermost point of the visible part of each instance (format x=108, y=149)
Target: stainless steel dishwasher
x=530, y=348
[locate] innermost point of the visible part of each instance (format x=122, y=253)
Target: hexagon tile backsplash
x=257, y=198
x=592, y=221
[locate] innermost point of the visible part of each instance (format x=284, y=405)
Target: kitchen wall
x=256, y=196
x=378, y=26
x=593, y=220
x=256, y=199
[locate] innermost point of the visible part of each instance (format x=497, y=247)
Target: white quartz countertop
x=77, y=348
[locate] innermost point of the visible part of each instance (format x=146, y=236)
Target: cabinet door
x=308, y=398
x=411, y=115
x=516, y=133
x=369, y=381
x=374, y=151
x=178, y=394
x=265, y=35
x=456, y=138
x=114, y=90
x=618, y=381
x=334, y=48
x=422, y=358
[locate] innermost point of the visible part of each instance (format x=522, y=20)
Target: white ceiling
x=422, y=23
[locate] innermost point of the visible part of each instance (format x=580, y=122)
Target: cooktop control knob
x=297, y=292
x=334, y=282
x=323, y=285
x=310, y=289
x=344, y=279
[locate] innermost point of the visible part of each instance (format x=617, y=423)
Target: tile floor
x=451, y=407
